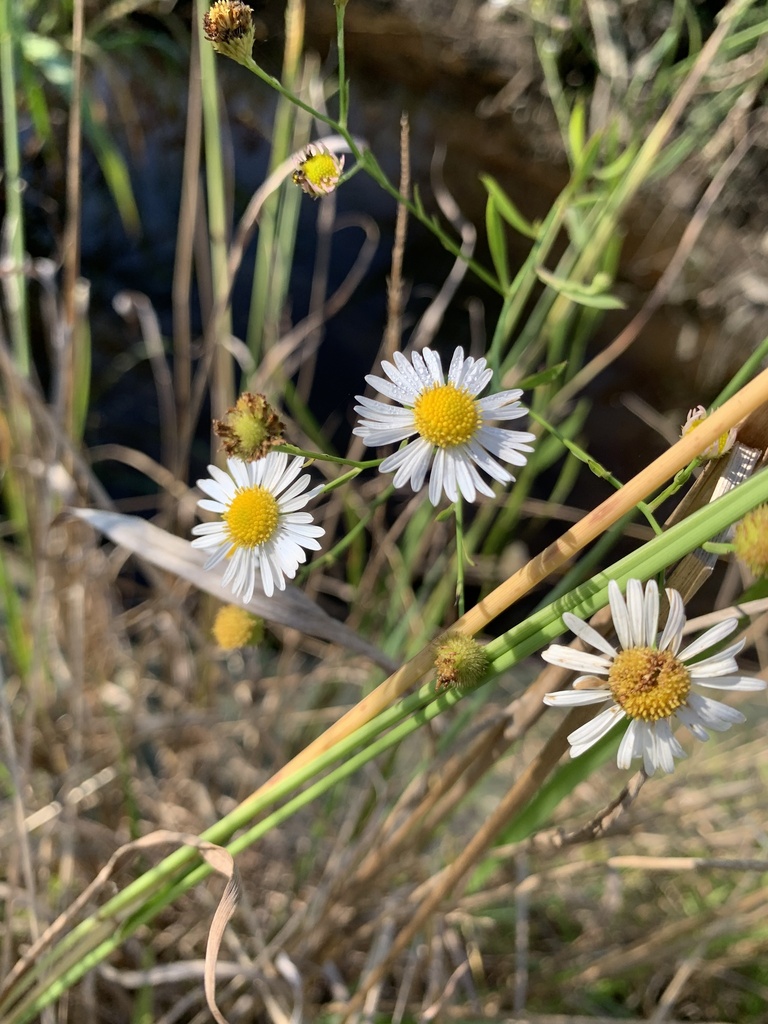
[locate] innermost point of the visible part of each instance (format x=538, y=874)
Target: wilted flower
x=649, y=680
x=229, y=26
x=318, y=170
x=450, y=421
x=250, y=429
x=723, y=444
x=261, y=526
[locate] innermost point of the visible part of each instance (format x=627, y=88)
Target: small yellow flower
x=229, y=26
x=723, y=444
x=250, y=429
x=750, y=540
x=318, y=170
x=235, y=627
x=460, y=663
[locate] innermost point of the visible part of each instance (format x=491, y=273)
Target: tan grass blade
x=289, y=607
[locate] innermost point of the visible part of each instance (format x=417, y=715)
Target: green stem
x=341, y=7
x=16, y=282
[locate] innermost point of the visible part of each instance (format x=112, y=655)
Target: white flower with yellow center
x=261, y=526
x=450, y=421
x=650, y=680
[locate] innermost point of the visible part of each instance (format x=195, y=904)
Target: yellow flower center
x=320, y=168
x=446, y=416
x=252, y=517
x=649, y=684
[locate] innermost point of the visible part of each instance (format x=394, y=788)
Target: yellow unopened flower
x=235, y=627
x=229, y=26
x=750, y=540
x=460, y=663
x=723, y=444
x=250, y=428
x=318, y=170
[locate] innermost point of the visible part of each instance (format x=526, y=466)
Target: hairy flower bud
x=460, y=663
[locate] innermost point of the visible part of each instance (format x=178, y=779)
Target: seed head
x=229, y=26
x=250, y=429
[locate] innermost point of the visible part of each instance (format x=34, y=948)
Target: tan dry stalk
x=523, y=791
x=654, y=476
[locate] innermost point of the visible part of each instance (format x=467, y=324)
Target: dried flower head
x=250, y=429
x=235, y=627
x=229, y=26
x=723, y=444
x=460, y=662
x=318, y=170
x=750, y=539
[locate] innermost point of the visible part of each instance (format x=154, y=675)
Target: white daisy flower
x=450, y=421
x=261, y=526
x=649, y=680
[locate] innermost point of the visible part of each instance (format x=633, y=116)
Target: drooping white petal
x=579, y=661
x=587, y=735
x=589, y=635
x=575, y=698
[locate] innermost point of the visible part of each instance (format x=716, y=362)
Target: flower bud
x=460, y=663
x=750, y=540
x=235, y=627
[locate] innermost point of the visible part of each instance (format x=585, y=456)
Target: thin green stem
x=461, y=554
x=341, y=7
x=16, y=281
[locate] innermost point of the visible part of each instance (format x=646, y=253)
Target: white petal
x=589, y=635
x=587, y=735
x=743, y=684
x=712, y=713
x=712, y=636
x=636, y=612
x=673, y=630
x=574, y=698
x=579, y=661
x=651, y=614
x=631, y=745
x=619, y=615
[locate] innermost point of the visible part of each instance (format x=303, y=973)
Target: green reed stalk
x=16, y=281
x=99, y=935
x=222, y=390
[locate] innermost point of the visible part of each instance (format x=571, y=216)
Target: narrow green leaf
x=507, y=208
x=577, y=131
x=544, y=377
x=497, y=243
x=584, y=295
